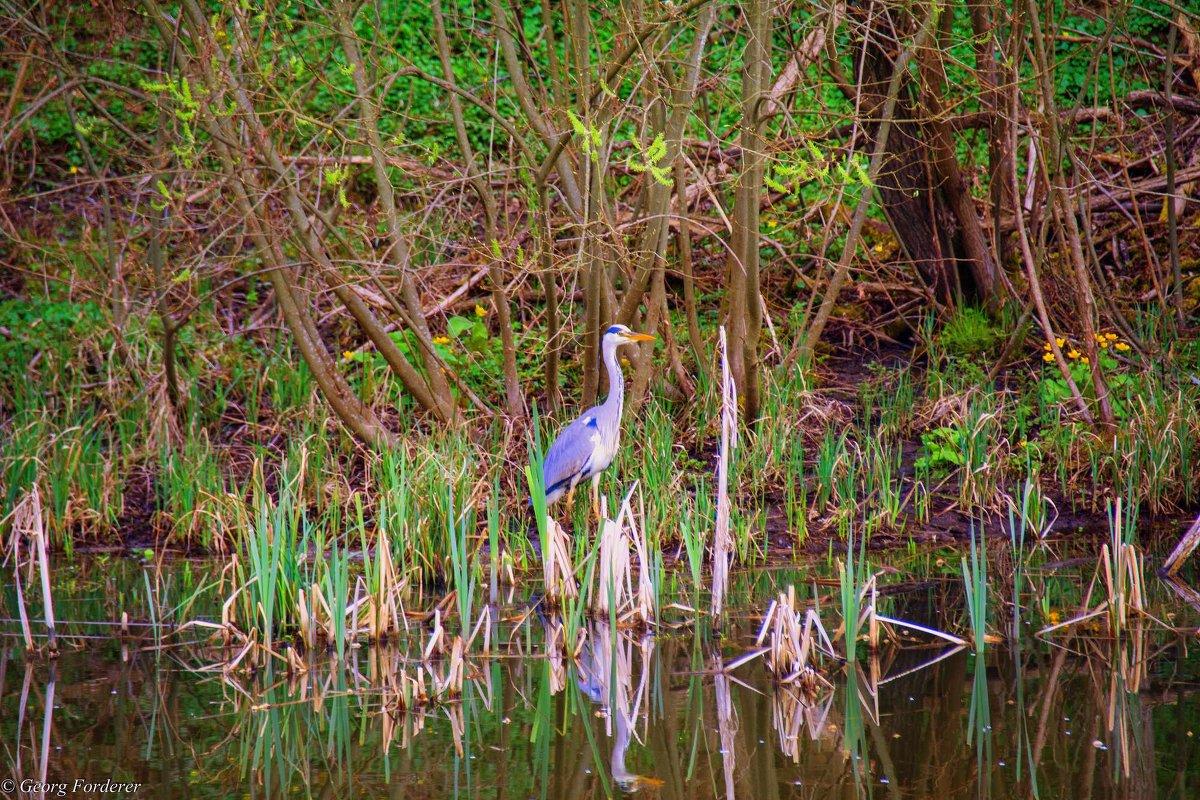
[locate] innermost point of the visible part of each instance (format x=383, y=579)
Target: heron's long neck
x=616, y=382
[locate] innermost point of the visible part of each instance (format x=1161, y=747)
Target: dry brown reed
x=722, y=548
x=1121, y=574
x=794, y=638
x=28, y=527
x=558, y=574
x=614, y=590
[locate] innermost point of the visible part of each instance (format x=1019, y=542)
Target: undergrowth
x=117, y=461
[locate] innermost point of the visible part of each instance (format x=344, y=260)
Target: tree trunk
x=970, y=239
x=920, y=185
x=744, y=320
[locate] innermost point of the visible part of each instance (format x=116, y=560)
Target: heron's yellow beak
x=640, y=337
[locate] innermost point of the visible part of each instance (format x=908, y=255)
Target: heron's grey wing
x=569, y=455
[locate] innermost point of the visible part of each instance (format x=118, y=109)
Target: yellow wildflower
x=347, y=354
x=74, y=169
x=1121, y=346
x=1112, y=337
x=480, y=311
x=1072, y=353
x=1060, y=341
x=441, y=340
x=1085, y=360
x=1046, y=347
x=877, y=248
x=1048, y=357
x=1103, y=344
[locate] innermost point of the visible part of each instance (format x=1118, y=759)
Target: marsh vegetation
x=295, y=296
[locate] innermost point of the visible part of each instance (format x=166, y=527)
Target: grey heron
x=586, y=447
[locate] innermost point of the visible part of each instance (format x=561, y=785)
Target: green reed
x=270, y=572
x=854, y=729
x=332, y=575
x=896, y=404
x=574, y=612
x=462, y=572
x=979, y=718
x=60, y=477
x=830, y=456
x=880, y=481
x=796, y=492
x=535, y=479
x=694, y=544
x=191, y=485
x=848, y=485
x=69, y=458
x=852, y=579
x=975, y=585
x=20, y=455
x=979, y=480
x=658, y=469
x=1019, y=524
x=493, y=530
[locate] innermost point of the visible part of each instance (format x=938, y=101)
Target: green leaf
x=456, y=326
x=401, y=342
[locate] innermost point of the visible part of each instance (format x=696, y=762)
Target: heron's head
x=620, y=334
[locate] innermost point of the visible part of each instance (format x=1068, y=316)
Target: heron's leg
x=570, y=496
x=596, y=495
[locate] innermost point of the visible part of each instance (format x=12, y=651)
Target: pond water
x=1063, y=716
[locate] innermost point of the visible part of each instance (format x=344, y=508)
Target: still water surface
x=1078, y=717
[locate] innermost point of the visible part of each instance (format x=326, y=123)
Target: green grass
x=255, y=466
x=83, y=461
x=968, y=332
